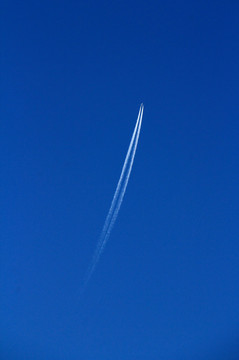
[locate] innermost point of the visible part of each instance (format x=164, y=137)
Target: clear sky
x=73, y=75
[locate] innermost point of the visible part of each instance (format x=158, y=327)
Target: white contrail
x=118, y=196
x=122, y=192
x=118, y=188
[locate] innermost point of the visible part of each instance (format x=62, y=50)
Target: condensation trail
x=117, y=191
x=118, y=196
x=121, y=195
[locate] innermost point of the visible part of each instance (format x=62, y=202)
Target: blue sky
x=73, y=75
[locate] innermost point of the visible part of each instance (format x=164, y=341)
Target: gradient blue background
x=73, y=74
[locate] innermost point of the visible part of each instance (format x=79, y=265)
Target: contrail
x=122, y=191
x=118, y=196
x=117, y=191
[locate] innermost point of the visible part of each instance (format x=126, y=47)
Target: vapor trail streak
x=123, y=190
x=118, y=196
x=117, y=191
